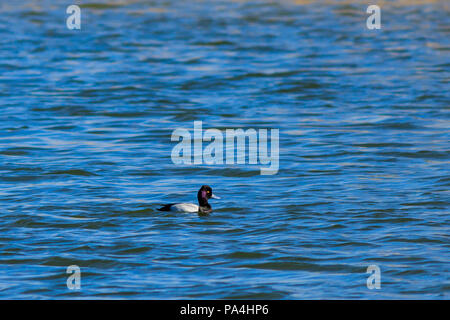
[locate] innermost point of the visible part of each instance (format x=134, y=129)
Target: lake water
x=85, y=149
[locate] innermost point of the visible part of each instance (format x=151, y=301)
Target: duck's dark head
x=204, y=194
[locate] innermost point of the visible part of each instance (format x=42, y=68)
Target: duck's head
x=204, y=194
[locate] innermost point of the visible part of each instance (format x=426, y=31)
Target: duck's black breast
x=204, y=209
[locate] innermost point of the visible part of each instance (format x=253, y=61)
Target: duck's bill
x=214, y=196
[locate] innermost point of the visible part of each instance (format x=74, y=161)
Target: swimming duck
x=203, y=206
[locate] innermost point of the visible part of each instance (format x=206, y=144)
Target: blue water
x=85, y=149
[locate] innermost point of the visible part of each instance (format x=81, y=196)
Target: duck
x=203, y=195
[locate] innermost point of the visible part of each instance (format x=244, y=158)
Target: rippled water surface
x=85, y=149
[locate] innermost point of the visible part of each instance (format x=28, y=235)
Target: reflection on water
x=85, y=149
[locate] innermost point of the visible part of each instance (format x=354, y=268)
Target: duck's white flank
x=184, y=207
